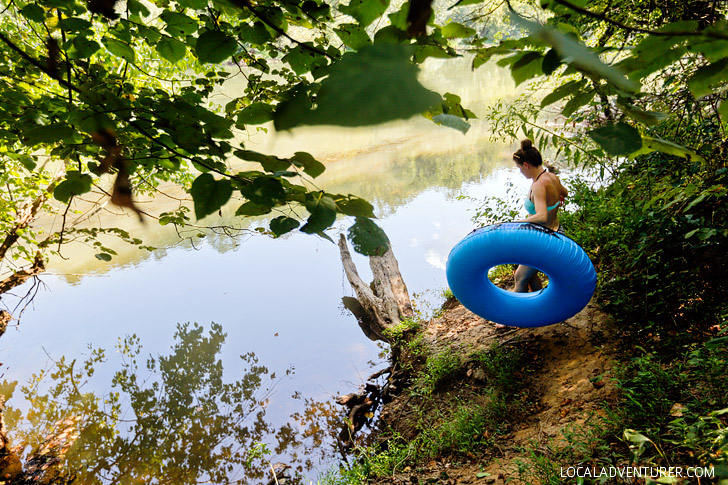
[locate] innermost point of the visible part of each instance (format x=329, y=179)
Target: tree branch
x=604, y=18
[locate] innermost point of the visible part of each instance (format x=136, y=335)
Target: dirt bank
x=564, y=384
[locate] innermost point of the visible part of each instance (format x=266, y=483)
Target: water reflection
x=176, y=418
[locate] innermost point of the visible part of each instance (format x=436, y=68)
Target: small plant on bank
x=439, y=368
x=400, y=333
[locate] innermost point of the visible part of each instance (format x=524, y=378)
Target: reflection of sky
x=278, y=298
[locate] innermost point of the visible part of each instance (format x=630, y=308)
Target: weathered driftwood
x=383, y=303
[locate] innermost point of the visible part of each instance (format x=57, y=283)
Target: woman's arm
x=563, y=193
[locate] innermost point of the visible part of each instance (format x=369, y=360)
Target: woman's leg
x=523, y=276
x=535, y=283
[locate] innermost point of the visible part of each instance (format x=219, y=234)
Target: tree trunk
x=383, y=303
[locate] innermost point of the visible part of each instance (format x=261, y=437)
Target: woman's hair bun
x=526, y=144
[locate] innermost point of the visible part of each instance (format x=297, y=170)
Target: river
x=280, y=299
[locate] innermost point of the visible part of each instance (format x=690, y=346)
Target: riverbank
x=477, y=400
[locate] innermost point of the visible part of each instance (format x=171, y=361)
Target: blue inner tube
x=572, y=278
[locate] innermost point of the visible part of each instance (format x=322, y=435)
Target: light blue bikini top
x=531, y=207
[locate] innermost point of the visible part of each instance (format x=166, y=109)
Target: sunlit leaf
x=120, y=49
x=171, y=49
x=455, y=30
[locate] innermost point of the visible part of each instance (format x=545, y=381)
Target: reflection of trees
x=174, y=421
x=397, y=181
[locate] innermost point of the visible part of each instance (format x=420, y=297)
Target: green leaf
x=270, y=163
x=33, y=12
x=193, y=4
x=650, y=144
x=103, y=257
x=255, y=34
x=49, y=133
x=562, y=91
x=209, y=195
x=282, y=225
x=119, y=49
x=311, y=166
x=83, y=48
x=75, y=24
x=454, y=30
x=171, y=49
x=577, y=102
x=252, y=209
x=353, y=36
x=649, y=118
x=714, y=50
x=391, y=35
x=265, y=191
x=723, y=112
x=303, y=60
x=452, y=121
x=399, y=18
x=179, y=24
x=578, y=55
x=617, y=139
x=214, y=47
x=462, y=3
x=551, y=62
x=368, y=238
x=365, y=11
x=323, y=213
x=75, y=183
x=255, y=114
x=706, y=77
x=527, y=67
x=377, y=84
x=357, y=207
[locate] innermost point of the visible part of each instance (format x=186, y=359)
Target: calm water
x=280, y=299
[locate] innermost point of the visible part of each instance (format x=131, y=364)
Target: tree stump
x=384, y=302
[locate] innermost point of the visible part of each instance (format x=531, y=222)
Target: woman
x=543, y=202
